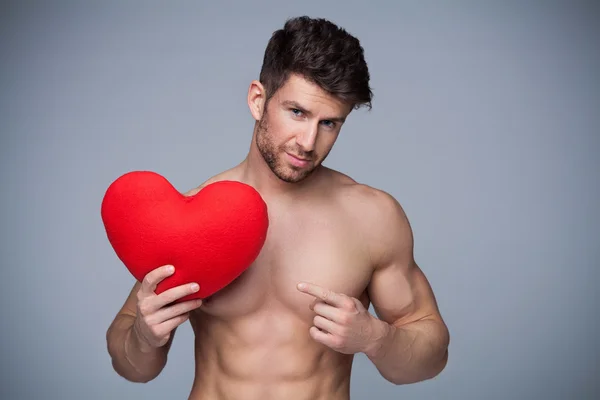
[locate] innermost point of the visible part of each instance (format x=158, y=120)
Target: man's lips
x=298, y=161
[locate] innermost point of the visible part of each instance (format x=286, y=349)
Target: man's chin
x=291, y=178
x=295, y=176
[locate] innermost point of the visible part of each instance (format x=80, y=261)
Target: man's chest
x=324, y=250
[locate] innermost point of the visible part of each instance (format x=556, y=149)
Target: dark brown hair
x=321, y=52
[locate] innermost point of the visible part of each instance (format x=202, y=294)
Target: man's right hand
x=156, y=318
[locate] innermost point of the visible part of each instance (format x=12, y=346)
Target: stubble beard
x=272, y=156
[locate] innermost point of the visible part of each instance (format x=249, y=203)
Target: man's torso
x=252, y=337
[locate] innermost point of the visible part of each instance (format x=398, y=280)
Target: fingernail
x=170, y=269
x=195, y=287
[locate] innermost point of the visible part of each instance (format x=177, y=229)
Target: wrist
x=138, y=341
x=381, y=339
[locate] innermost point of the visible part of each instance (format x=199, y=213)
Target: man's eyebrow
x=296, y=105
x=293, y=104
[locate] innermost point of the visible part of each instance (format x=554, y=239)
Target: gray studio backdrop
x=485, y=127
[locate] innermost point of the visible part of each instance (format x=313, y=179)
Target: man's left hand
x=342, y=322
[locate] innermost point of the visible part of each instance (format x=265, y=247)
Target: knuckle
x=168, y=297
x=172, y=294
x=143, y=308
x=184, y=317
x=179, y=292
x=155, y=331
x=337, y=342
x=145, y=320
x=147, y=281
x=183, y=291
x=181, y=309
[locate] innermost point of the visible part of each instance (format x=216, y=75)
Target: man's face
x=298, y=128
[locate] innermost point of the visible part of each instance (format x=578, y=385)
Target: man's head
x=313, y=75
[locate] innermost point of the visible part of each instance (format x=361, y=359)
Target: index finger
x=323, y=294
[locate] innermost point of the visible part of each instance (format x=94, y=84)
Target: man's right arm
x=139, y=344
x=131, y=357
x=140, y=336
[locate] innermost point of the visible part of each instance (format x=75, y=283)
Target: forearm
x=410, y=353
x=130, y=358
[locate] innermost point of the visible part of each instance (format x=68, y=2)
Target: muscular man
x=289, y=326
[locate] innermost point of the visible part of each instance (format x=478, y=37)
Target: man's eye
x=296, y=112
x=329, y=124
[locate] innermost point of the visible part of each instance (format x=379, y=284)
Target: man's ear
x=256, y=99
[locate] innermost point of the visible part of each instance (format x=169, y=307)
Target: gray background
x=485, y=127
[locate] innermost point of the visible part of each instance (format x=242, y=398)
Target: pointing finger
x=325, y=295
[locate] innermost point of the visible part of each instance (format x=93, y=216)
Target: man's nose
x=307, y=139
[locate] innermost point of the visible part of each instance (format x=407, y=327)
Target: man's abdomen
x=267, y=355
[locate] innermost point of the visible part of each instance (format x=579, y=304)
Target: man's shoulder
x=369, y=200
x=380, y=218
x=374, y=204
x=229, y=174
x=373, y=210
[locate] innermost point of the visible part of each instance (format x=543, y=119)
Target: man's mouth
x=297, y=161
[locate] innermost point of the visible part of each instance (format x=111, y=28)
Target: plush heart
x=211, y=237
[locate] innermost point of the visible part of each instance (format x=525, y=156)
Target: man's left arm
x=412, y=345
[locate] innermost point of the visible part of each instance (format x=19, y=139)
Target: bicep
x=399, y=290
x=400, y=294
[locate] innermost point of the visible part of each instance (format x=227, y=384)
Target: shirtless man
x=289, y=326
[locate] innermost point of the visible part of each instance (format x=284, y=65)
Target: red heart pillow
x=210, y=237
